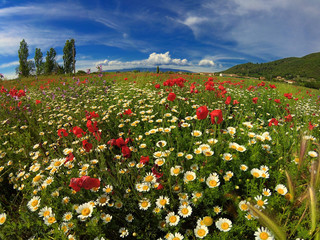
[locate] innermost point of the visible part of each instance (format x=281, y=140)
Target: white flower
x=263, y=234
x=172, y=219
x=224, y=224
x=201, y=231
x=85, y=210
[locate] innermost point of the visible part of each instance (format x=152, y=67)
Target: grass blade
x=313, y=209
x=290, y=185
x=269, y=223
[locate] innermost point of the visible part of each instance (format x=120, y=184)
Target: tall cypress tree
x=38, y=61
x=50, y=61
x=23, y=58
x=69, y=53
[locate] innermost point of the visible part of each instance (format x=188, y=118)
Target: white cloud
x=154, y=59
x=10, y=64
x=206, y=62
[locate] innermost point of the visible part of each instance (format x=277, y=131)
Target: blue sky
x=199, y=35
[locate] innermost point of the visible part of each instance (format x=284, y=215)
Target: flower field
x=158, y=156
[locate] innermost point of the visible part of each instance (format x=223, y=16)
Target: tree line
x=49, y=66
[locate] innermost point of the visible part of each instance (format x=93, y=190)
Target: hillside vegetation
x=304, y=69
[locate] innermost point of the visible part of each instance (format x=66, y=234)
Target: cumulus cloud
x=154, y=59
x=206, y=62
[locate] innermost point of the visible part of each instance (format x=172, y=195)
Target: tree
x=158, y=70
x=69, y=54
x=50, y=61
x=23, y=58
x=38, y=61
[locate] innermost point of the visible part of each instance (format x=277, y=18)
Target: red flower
x=86, y=145
x=171, y=96
x=202, y=112
x=288, y=95
x=255, y=100
x=127, y=112
x=272, y=86
x=160, y=186
x=38, y=101
x=144, y=160
x=274, y=122
x=93, y=128
x=228, y=101
x=126, y=152
x=63, y=131
x=288, y=118
x=156, y=173
x=235, y=102
x=277, y=100
x=91, y=115
x=157, y=86
x=120, y=142
x=21, y=93
x=78, y=131
x=310, y=126
x=85, y=182
x=69, y=158
x=216, y=113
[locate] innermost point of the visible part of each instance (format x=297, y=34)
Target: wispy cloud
x=10, y=64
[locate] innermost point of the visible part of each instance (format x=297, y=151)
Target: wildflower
x=85, y=210
x=171, y=97
x=108, y=189
x=106, y=218
x=189, y=176
x=103, y=200
x=266, y=192
x=196, y=133
x=185, y=211
x=67, y=216
x=216, y=114
x=243, y=167
x=224, y=224
x=3, y=218
x=129, y=217
x=34, y=203
x=189, y=156
x=217, y=209
x=313, y=154
x=50, y=219
x=202, y=112
x=162, y=201
x=243, y=205
x=263, y=234
x=176, y=170
x=255, y=172
x=123, y=232
x=213, y=180
x=144, y=204
x=261, y=203
x=227, y=157
x=160, y=161
x=172, y=219
x=281, y=189
x=201, y=231
x=176, y=236
x=45, y=212
x=208, y=221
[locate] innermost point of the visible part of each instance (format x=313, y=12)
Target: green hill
x=304, y=69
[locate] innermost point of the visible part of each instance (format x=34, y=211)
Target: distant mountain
x=303, y=69
x=148, y=70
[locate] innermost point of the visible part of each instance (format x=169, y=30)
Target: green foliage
x=23, y=59
x=50, y=61
x=69, y=53
x=38, y=61
x=289, y=68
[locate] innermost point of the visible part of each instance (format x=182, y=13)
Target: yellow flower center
x=46, y=213
x=85, y=211
x=173, y=219
x=190, y=177
x=163, y=202
x=148, y=178
x=260, y=203
x=225, y=226
x=2, y=220
x=103, y=200
x=264, y=235
x=144, y=204
x=280, y=190
x=256, y=174
x=34, y=203
x=68, y=217
x=176, y=170
x=244, y=207
x=51, y=219
x=37, y=178
x=213, y=183
x=184, y=211
x=57, y=163
x=201, y=232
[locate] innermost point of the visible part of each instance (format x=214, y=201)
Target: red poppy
x=171, y=96
x=288, y=118
x=144, y=160
x=93, y=128
x=91, y=115
x=160, y=186
x=216, y=113
x=156, y=173
x=86, y=145
x=288, y=95
x=157, y=86
x=235, y=102
x=310, y=126
x=69, y=158
x=62, y=131
x=255, y=100
x=126, y=152
x=277, y=100
x=120, y=142
x=274, y=122
x=272, y=86
x=202, y=112
x=85, y=182
x=228, y=101
x=78, y=131
x=127, y=112
x=38, y=101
